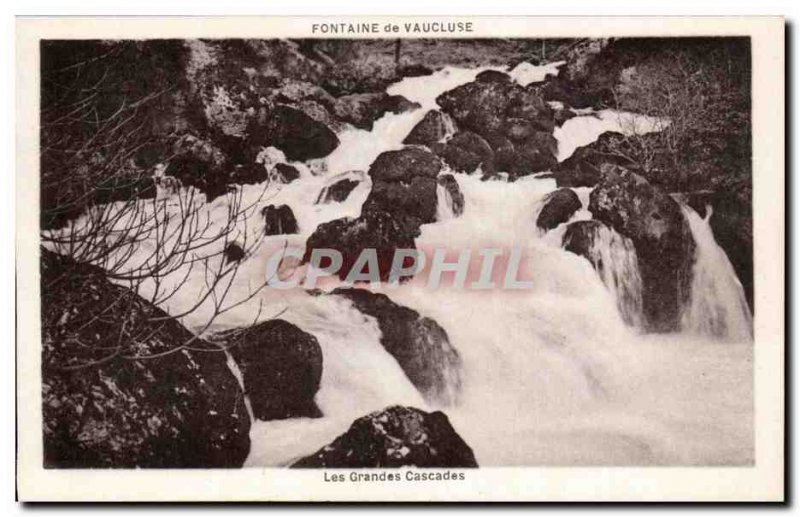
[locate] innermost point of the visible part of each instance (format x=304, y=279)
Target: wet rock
x=285, y=173
x=299, y=136
x=198, y=163
x=250, y=174
x=492, y=76
x=139, y=401
x=363, y=109
x=448, y=181
x=582, y=169
x=381, y=231
x=414, y=70
x=428, y=131
x=404, y=164
x=579, y=238
x=281, y=368
x=233, y=252
x=395, y=437
x=514, y=121
x=467, y=151
x=654, y=222
x=404, y=185
x=278, y=220
x=337, y=192
x=557, y=208
x=420, y=345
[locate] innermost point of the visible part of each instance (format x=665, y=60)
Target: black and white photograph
x=391, y=258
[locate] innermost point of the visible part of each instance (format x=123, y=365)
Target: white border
x=762, y=482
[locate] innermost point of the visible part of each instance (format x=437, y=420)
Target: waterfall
x=614, y=258
x=444, y=204
x=551, y=375
x=717, y=305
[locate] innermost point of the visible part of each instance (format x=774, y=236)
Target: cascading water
x=552, y=374
x=717, y=304
x=444, y=204
x=614, y=258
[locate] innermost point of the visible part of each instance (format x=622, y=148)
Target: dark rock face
x=281, y=368
x=732, y=224
x=558, y=208
x=515, y=121
x=654, y=222
x=428, y=131
x=363, y=109
x=404, y=185
x=378, y=230
x=579, y=237
x=299, y=136
x=233, y=252
x=337, y=192
x=448, y=181
x=250, y=174
x=582, y=169
x=144, y=401
x=467, y=151
x=420, y=346
x=285, y=173
x=279, y=220
x=199, y=164
x=492, y=76
x=395, y=437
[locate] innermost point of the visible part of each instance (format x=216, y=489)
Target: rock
x=198, y=163
x=337, y=192
x=431, y=129
x=395, y=437
x=140, y=401
x=466, y=151
x=404, y=164
x=285, y=173
x=233, y=252
x=582, y=168
x=420, y=346
x=378, y=230
x=414, y=70
x=281, y=368
x=732, y=224
x=654, y=222
x=363, y=109
x=278, y=220
x=299, y=136
x=122, y=188
x=250, y=174
x=557, y=208
x=404, y=185
x=579, y=238
x=448, y=181
x=492, y=76
x=514, y=121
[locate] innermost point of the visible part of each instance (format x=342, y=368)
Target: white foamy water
x=717, y=304
x=551, y=374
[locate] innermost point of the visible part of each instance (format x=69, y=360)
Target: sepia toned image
x=396, y=259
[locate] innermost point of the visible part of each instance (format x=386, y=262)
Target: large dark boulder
x=449, y=183
x=281, y=368
x=279, y=220
x=647, y=215
x=557, y=208
x=396, y=437
x=285, y=173
x=513, y=120
x=404, y=185
x=350, y=236
x=465, y=152
x=403, y=164
x=420, y=345
x=200, y=164
x=579, y=238
x=126, y=386
x=582, y=168
x=428, y=131
x=299, y=136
